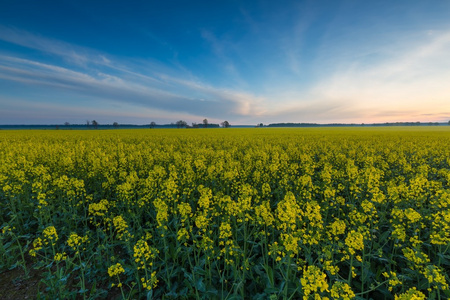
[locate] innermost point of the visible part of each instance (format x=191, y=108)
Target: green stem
x=83, y=286
x=373, y=289
x=244, y=261
x=22, y=255
x=286, y=286
x=166, y=259
x=193, y=274
x=293, y=294
x=121, y=289
x=350, y=272
x=362, y=270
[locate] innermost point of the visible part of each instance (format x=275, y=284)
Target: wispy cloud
x=408, y=80
x=95, y=74
x=293, y=44
x=71, y=53
x=226, y=52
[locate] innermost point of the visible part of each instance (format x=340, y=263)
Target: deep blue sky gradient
x=242, y=61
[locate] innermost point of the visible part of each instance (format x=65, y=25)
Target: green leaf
x=199, y=271
x=445, y=259
x=234, y=297
x=423, y=284
x=150, y=294
x=200, y=286
x=269, y=272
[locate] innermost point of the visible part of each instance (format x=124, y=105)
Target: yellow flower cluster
x=37, y=245
x=341, y=290
x=421, y=262
x=393, y=279
x=416, y=257
x=354, y=241
x=225, y=231
x=183, y=235
x=288, y=211
x=313, y=281
x=121, y=228
x=144, y=254
x=99, y=209
x=41, y=197
x=435, y=276
x=150, y=283
x=202, y=221
x=290, y=243
x=185, y=211
x=440, y=232
x=411, y=294
x=412, y=215
x=264, y=214
x=337, y=228
x=330, y=267
x=6, y=229
x=115, y=270
x=50, y=235
x=60, y=256
x=162, y=212
x=75, y=241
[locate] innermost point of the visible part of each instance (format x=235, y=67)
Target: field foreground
x=361, y=213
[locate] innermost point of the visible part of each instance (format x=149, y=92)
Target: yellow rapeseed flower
x=313, y=281
x=341, y=290
x=115, y=270
x=354, y=241
x=411, y=294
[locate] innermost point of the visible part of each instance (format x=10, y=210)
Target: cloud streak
x=93, y=74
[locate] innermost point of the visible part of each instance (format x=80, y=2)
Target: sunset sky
x=243, y=61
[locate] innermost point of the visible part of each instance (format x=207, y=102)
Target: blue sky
x=242, y=61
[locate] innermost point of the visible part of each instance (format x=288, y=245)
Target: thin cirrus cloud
x=98, y=75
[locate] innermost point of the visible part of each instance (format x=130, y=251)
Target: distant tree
x=225, y=124
x=152, y=124
x=260, y=125
x=205, y=123
x=95, y=124
x=116, y=125
x=66, y=123
x=88, y=123
x=194, y=125
x=448, y=122
x=181, y=124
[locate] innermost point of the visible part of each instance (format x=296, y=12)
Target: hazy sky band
x=242, y=61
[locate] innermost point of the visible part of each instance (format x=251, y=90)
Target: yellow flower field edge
x=348, y=213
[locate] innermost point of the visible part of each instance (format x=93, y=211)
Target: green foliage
x=233, y=214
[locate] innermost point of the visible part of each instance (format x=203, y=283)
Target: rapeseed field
x=337, y=213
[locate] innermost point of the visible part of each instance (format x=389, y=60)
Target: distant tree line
x=179, y=124
x=354, y=124
x=225, y=124
x=183, y=124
